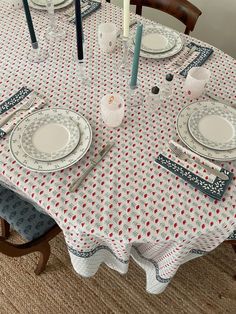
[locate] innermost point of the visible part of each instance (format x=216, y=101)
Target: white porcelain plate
x=214, y=126
x=160, y=55
x=63, y=4
x=50, y=166
x=43, y=2
x=156, y=40
x=190, y=141
x=50, y=138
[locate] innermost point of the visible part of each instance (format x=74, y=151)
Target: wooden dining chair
x=232, y=240
x=35, y=227
x=183, y=10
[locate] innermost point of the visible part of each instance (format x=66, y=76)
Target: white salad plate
x=191, y=142
x=50, y=166
x=214, y=126
x=156, y=40
x=43, y=2
x=160, y=55
x=50, y=138
x=40, y=7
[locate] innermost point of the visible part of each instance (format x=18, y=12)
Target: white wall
x=216, y=25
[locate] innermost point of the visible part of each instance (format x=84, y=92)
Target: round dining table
x=128, y=206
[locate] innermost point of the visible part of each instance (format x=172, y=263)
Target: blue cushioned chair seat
x=232, y=236
x=22, y=216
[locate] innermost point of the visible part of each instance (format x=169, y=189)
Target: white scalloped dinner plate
x=43, y=166
x=43, y=2
x=189, y=140
x=214, y=126
x=49, y=138
x=157, y=40
x=44, y=8
x=160, y=55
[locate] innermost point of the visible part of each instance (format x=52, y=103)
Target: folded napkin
x=14, y=103
x=196, y=59
x=194, y=174
x=93, y=6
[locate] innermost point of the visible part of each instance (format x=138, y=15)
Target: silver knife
x=94, y=162
x=181, y=155
x=132, y=23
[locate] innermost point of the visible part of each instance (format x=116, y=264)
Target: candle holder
x=135, y=96
x=124, y=62
x=82, y=75
x=81, y=65
x=37, y=54
x=54, y=32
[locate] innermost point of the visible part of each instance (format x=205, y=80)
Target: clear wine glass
x=54, y=32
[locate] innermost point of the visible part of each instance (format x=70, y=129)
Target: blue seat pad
x=22, y=216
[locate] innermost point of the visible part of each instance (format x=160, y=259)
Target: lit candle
x=138, y=39
x=126, y=18
x=30, y=24
x=79, y=30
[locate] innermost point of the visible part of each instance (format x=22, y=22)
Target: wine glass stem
x=51, y=13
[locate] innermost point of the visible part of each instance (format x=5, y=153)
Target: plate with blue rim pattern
x=214, y=126
x=61, y=5
x=50, y=166
x=187, y=138
x=156, y=40
x=161, y=55
x=51, y=137
x=44, y=2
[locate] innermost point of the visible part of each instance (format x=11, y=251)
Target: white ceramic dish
x=41, y=166
x=156, y=40
x=214, y=126
x=50, y=138
x=189, y=140
x=161, y=55
x=44, y=8
x=43, y=2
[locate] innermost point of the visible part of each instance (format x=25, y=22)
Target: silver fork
x=25, y=107
x=180, y=61
x=181, y=155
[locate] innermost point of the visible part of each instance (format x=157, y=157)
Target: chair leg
x=5, y=228
x=43, y=259
x=234, y=247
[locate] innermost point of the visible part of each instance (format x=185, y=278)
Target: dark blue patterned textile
x=22, y=216
x=204, y=54
x=232, y=236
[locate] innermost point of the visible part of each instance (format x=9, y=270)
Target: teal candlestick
x=138, y=38
x=30, y=24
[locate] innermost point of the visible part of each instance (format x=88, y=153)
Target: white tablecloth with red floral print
x=128, y=206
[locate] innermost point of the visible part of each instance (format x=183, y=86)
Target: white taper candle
x=126, y=17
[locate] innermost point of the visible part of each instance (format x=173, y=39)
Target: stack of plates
x=50, y=139
x=209, y=129
x=41, y=4
x=158, y=42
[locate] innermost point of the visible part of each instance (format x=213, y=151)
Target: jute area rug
x=204, y=285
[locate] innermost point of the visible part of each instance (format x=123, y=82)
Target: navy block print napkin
x=13, y=101
x=215, y=189
x=203, y=54
x=94, y=6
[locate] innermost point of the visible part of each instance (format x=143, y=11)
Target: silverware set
x=180, y=60
x=24, y=107
x=183, y=156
